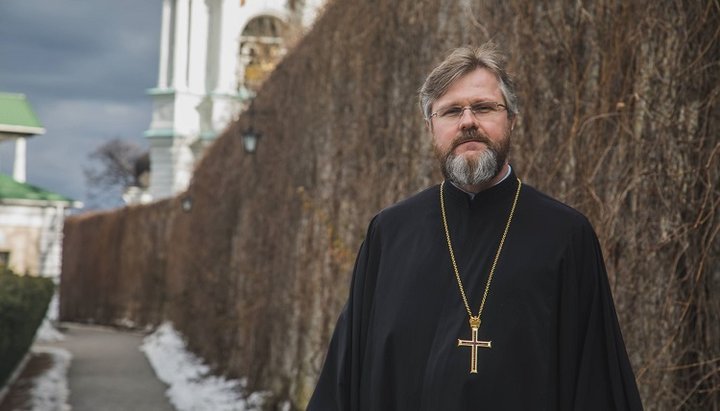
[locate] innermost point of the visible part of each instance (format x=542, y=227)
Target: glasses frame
x=497, y=108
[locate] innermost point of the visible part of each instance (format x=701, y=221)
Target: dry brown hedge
x=619, y=118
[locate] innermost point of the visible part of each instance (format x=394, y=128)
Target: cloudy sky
x=85, y=66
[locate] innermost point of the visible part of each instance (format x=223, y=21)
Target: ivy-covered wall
x=619, y=118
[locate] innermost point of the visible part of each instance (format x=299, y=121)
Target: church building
x=214, y=54
x=31, y=218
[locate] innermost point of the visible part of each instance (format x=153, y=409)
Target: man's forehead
x=480, y=83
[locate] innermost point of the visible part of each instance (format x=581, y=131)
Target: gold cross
x=474, y=344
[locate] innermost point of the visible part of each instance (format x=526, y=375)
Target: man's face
x=475, y=141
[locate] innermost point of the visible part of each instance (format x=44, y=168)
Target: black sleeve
x=338, y=385
x=593, y=366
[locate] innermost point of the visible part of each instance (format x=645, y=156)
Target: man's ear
x=429, y=126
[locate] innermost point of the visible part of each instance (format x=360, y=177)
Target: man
x=481, y=292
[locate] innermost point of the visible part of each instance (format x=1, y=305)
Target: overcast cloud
x=84, y=66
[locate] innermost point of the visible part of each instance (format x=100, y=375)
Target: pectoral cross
x=474, y=344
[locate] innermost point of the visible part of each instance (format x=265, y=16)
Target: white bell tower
x=213, y=53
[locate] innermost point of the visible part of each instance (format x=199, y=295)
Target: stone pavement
x=108, y=371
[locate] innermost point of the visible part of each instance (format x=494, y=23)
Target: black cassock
x=556, y=343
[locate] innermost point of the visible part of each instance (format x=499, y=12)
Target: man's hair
x=464, y=60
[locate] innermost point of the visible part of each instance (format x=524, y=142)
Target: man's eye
x=482, y=108
x=451, y=112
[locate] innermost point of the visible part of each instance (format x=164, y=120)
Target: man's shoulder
x=554, y=211
x=411, y=207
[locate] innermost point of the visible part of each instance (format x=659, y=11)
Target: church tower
x=213, y=56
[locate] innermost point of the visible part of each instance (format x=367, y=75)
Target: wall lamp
x=250, y=138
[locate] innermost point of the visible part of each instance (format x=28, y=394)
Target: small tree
x=114, y=166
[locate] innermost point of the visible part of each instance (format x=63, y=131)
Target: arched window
x=262, y=45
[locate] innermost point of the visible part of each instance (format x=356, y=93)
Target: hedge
x=23, y=303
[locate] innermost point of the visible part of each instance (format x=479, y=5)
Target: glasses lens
x=478, y=110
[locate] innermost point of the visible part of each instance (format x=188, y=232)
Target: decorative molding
x=159, y=133
x=159, y=91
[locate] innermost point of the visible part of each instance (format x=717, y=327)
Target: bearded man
x=480, y=292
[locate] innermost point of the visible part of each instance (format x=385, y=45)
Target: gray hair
x=464, y=60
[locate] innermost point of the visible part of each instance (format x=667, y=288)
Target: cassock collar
x=506, y=187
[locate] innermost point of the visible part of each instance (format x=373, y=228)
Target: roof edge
x=6, y=128
x=41, y=203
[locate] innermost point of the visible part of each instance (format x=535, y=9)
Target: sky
x=85, y=66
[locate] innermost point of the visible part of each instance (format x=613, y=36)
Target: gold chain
x=475, y=321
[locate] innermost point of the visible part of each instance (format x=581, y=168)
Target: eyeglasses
x=479, y=110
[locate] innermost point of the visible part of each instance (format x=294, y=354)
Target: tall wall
x=619, y=118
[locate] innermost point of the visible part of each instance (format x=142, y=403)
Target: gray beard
x=477, y=170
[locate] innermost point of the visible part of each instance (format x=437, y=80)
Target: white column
x=161, y=175
x=180, y=52
x=197, y=51
x=310, y=12
x=230, y=27
x=165, y=51
x=213, y=55
x=19, y=163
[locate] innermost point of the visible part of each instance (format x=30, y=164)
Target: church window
x=262, y=45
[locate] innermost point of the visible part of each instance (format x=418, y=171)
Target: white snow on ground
x=50, y=390
x=192, y=388
x=47, y=332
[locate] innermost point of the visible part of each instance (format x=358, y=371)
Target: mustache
x=470, y=135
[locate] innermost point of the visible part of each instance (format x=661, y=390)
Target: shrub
x=23, y=303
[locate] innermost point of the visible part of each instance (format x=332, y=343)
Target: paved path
x=108, y=372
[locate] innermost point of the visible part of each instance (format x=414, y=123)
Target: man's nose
x=467, y=119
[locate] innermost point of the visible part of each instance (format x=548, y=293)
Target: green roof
x=17, y=117
x=15, y=190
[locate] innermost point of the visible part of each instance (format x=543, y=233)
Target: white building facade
x=213, y=56
x=31, y=235
x=31, y=218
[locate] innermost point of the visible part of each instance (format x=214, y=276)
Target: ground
x=91, y=368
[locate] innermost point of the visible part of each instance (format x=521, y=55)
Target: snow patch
x=50, y=389
x=48, y=333
x=126, y=322
x=192, y=388
x=54, y=307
